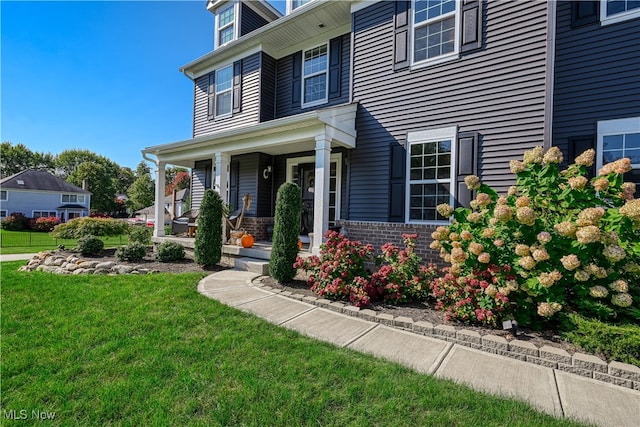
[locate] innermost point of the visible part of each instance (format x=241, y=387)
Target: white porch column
x=222, y=184
x=321, y=194
x=158, y=227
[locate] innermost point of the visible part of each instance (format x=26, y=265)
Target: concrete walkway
x=15, y=257
x=558, y=393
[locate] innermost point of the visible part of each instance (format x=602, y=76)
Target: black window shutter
x=398, y=156
x=401, y=35
x=237, y=86
x=296, y=80
x=577, y=146
x=584, y=13
x=467, y=165
x=335, y=66
x=471, y=25
x=212, y=95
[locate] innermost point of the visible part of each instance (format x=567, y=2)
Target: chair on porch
x=185, y=223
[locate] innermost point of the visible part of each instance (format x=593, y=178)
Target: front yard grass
x=149, y=350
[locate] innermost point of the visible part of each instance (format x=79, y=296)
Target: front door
x=306, y=181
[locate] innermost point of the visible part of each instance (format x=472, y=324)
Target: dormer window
x=226, y=28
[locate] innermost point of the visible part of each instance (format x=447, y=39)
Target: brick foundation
x=258, y=227
x=379, y=233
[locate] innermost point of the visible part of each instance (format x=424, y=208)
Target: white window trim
x=442, y=58
x=303, y=77
x=6, y=196
x=618, y=17
x=230, y=90
x=421, y=137
x=33, y=213
x=615, y=127
x=77, y=196
x=290, y=8
x=235, y=22
x=335, y=157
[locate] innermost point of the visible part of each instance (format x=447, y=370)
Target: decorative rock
x=58, y=261
x=78, y=271
x=105, y=265
x=101, y=271
x=48, y=261
x=88, y=264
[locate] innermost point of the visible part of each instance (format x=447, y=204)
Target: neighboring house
x=148, y=214
x=40, y=194
x=378, y=109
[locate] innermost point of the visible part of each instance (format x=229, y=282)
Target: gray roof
x=30, y=179
x=181, y=196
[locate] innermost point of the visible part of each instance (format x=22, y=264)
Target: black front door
x=306, y=181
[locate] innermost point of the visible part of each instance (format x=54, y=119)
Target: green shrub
x=132, y=252
x=285, y=232
x=140, y=234
x=616, y=342
x=571, y=243
x=85, y=226
x=170, y=251
x=208, y=244
x=90, y=245
x=16, y=221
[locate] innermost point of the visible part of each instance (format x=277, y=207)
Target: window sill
x=435, y=61
x=315, y=103
x=222, y=117
x=620, y=17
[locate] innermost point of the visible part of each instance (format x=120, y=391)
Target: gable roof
x=181, y=196
x=30, y=179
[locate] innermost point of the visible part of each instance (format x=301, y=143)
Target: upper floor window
x=612, y=11
x=226, y=24
x=618, y=139
x=314, y=75
x=294, y=4
x=4, y=195
x=224, y=88
x=434, y=30
x=72, y=198
x=430, y=173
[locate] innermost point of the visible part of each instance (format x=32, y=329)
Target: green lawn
x=18, y=242
x=149, y=350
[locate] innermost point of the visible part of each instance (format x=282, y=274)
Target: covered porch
x=262, y=156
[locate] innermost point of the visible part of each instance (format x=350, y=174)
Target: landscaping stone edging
x=51, y=262
x=586, y=365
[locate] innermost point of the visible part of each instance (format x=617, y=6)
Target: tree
x=16, y=158
x=181, y=180
x=69, y=160
x=142, y=192
x=125, y=179
x=208, y=245
x=286, y=224
x=100, y=183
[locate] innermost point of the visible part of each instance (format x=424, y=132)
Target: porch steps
x=254, y=265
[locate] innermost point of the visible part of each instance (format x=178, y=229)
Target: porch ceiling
x=281, y=136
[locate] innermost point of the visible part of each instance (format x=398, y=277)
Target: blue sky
x=100, y=75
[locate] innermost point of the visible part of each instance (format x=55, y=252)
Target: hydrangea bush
x=341, y=271
x=570, y=243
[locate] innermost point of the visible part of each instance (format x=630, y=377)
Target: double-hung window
x=315, y=76
x=430, y=173
x=3, y=195
x=434, y=30
x=612, y=11
x=226, y=24
x=3, y=214
x=224, y=88
x=618, y=139
x=72, y=198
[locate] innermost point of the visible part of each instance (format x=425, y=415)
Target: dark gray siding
x=284, y=82
x=497, y=91
x=247, y=181
x=268, y=88
x=597, y=75
x=201, y=179
x=250, y=100
x=250, y=20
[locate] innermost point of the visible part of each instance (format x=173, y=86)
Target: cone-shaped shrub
x=208, y=246
x=285, y=232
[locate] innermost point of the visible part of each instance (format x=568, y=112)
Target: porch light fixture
x=266, y=172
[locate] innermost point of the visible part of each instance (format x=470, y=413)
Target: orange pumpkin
x=299, y=244
x=247, y=241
